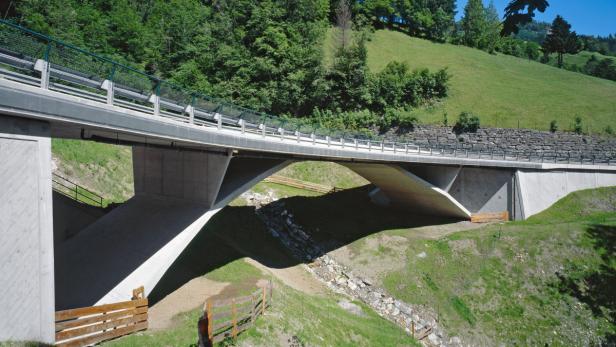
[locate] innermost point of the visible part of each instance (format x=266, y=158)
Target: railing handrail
x=283, y=127
x=77, y=189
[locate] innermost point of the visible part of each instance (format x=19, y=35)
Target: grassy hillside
x=103, y=168
x=501, y=89
x=326, y=173
x=547, y=280
x=580, y=59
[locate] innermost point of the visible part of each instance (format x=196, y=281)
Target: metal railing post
x=155, y=99
x=328, y=140
x=262, y=127
x=314, y=138
x=281, y=132
x=383, y=146
x=190, y=109
x=356, y=143
x=369, y=145
x=44, y=68
x=298, y=134
x=108, y=85
x=342, y=142
x=218, y=118
x=406, y=148
x=242, y=124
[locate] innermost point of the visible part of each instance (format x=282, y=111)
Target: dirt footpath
x=295, y=277
x=188, y=297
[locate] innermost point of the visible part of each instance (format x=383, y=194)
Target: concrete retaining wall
x=540, y=189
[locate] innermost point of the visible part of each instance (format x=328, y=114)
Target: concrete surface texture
x=70, y=217
x=26, y=247
x=408, y=190
x=484, y=189
x=538, y=190
x=180, y=174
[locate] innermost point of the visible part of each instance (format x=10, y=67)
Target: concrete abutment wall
x=26, y=232
x=538, y=190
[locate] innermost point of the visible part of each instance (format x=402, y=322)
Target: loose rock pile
x=342, y=280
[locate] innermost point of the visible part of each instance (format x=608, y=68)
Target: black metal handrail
x=75, y=191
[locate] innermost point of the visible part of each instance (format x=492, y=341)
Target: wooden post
x=263, y=302
x=234, y=313
x=208, y=313
x=253, y=309
x=413, y=328
x=138, y=293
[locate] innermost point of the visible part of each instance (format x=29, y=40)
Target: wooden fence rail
x=300, y=184
x=487, y=217
x=89, y=325
x=227, y=318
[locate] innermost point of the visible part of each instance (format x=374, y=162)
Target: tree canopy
x=515, y=15
x=561, y=40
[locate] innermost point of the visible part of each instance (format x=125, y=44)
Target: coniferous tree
x=561, y=40
x=491, y=36
x=474, y=24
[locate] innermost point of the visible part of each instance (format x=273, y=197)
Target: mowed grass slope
x=500, y=89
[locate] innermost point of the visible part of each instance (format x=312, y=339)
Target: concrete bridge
x=191, y=156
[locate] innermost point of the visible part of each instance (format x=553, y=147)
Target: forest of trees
x=264, y=55
x=267, y=55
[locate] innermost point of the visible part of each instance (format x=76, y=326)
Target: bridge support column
x=26, y=232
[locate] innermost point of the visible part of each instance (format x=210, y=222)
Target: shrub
x=467, y=123
x=395, y=118
x=553, y=126
x=608, y=130
x=445, y=120
x=577, y=125
x=395, y=87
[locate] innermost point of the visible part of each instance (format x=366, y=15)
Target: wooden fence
x=89, y=325
x=227, y=318
x=488, y=217
x=300, y=184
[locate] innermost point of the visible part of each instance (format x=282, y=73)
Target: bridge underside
x=176, y=193
x=177, y=190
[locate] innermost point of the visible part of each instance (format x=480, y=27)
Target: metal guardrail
x=76, y=192
x=39, y=60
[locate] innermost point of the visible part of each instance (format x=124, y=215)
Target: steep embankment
x=501, y=89
x=547, y=280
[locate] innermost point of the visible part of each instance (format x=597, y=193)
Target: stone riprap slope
x=523, y=142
